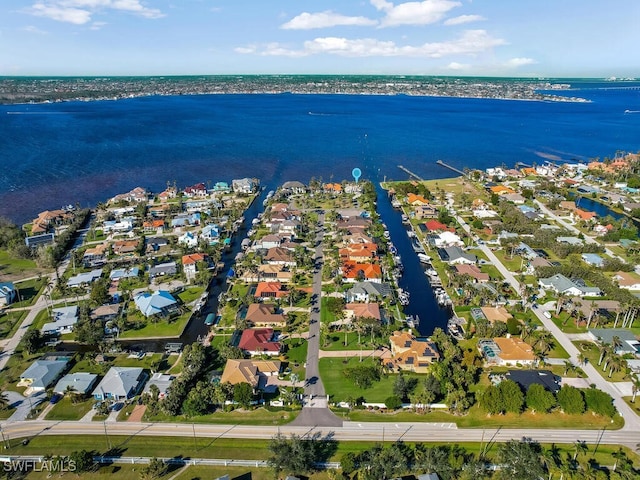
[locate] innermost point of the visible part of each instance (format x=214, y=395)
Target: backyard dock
x=445, y=165
x=410, y=173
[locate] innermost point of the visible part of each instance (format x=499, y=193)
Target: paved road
x=349, y=431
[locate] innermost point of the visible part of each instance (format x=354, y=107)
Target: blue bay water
x=85, y=152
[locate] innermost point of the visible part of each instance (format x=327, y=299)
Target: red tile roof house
x=262, y=315
x=197, y=190
x=190, y=264
x=356, y=311
x=280, y=256
x=259, y=341
x=270, y=290
x=436, y=226
x=359, y=252
x=354, y=272
x=473, y=271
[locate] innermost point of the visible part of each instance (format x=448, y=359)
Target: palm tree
x=71, y=392
x=635, y=388
x=4, y=401
x=604, y=352
x=580, y=446
x=582, y=359
x=615, y=365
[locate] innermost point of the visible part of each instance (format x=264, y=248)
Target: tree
x=599, y=402
x=155, y=469
x=403, y=386
x=363, y=376
x=243, y=394
x=491, y=400
x=393, y=403
x=82, y=460
x=291, y=455
x=32, y=341
x=539, y=399
x=89, y=332
x=520, y=460
x=570, y=400
x=100, y=292
x=4, y=401
x=512, y=396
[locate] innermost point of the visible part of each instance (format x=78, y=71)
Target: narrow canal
x=421, y=299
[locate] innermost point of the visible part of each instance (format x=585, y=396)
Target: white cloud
x=458, y=66
x=469, y=43
x=519, y=62
x=80, y=12
x=308, y=21
x=33, y=29
x=464, y=19
x=97, y=25
x=413, y=13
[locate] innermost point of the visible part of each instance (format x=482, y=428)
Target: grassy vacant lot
x=340, y=388
x=259, y=416
x=591, y=352
x=477, y=418
x=146, y=328
x=65, y=409
x=28, y=292
x=13, y=269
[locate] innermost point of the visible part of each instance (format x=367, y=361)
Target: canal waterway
x=422, y=302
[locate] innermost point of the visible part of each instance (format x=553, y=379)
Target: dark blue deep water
x=85, y=152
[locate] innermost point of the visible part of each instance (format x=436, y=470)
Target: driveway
x=24, y=404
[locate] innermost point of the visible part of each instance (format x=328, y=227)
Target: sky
x=533, y=38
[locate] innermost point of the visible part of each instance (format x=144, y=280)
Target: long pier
x=410, y=173
x=442, y=164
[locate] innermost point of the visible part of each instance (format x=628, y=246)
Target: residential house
x=197, y=190
x=210, y=234
x=190, y=264
x=137, y=195
x=189, y=239
x=259, y=341
x=105, y=313
x=356, y=272
x=368, y=291
x=445, y=240
x=126, y=247
x=119, y=273
x=153, y=226
x=49, y=219
x=41, y=374
x=425, y=211
x=436, y=226
x=269, y=241
x=567, y=205
x=623, y=340
x=186, y=219
x=159, y=303
x=270, y=290
x=575, y=241
x=161, y=380
x=455, y=256
x=162, y=269
x=263, y=315
x=526, y=378
x=168, y=193
x=83, y=279
x=36, y=241
x=562, y=285
x=80, y=382
x=410, y=354
x=473, y=271
x=359, y=252
x=416, y=200
x=158, y=211
x=221, y=187
x=294, y=187
x=243, y=185
x=254, y=372
x=627, y=280
x=514, y=198
x=583, y=215
x=507, y=351
x=95, y=256
x=496, y=314
x=332, y=187
x=8, y=293
x=121, y=226
x=120, y=383
x=593, y=259
x=280, y=256
x=154, y=244
x=501, y=190
x=279, y=273
x=525, y=251
x=357, y=311
x=64, y=319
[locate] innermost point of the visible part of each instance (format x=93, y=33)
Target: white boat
x=386, y=234
x=424, y=258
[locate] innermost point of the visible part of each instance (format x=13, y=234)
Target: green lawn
x=10, y=321
x=340, y=388
x=140, y=327
x=12, y=269
x=591, y=352
x=259, y=416
x=191, y=294
x=65, y=409
x=28, y=292
x=335, y=342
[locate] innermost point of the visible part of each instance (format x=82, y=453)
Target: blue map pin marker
x=356, y=172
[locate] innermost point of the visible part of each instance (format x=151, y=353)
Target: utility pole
x=106, y=435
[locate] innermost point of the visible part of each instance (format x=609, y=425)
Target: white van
x=547, y=314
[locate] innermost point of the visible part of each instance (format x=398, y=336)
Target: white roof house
x=159, y=302
x=120, y=383
x=84, y=278
x=7, y=293
x=161, y=380
x=41, y=374
x=81, y=382
x=64, y=318
x=562, y=285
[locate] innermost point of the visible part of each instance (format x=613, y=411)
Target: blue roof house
x=160, y=303
x=593, y=259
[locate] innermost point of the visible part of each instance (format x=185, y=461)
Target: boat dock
x=410, y=173
x=445, y=165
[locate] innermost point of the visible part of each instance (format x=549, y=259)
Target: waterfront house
x=582, y=215
x=446, y=239
x=473, y=271
x=64, y=319
x=368, y=291
x=507, y=351
x=8, y=293
x=280, y=256
x=210, y=234
x=293, y=187
x=137, y=195
x=416, y=200
x=41, y=374
x=243, y=185
x=436, y=226
x=188, y=239
x=159, y=303
x=263, y=315
x=357, y=311
x=161, y=380
x=120, y=383
x=190, y=264
x=197, y=190
x=259, y=341
x=456, y=256
x=496, y=314
x=425, y=211
x=270, y=290
x=254, y=372
x=356, y=272
x=359, y=252
x=168, y=268
x=411, y=354
x=80, y=382
x=49, y=219
x=269, y=241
